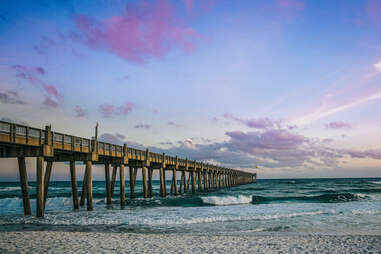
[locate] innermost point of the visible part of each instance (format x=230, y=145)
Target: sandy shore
x=92, y=242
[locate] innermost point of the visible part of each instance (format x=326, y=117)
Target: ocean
x=305, y=206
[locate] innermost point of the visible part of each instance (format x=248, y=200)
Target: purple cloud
x=106, y=110
x=145, y=30
x=338, y=125
x=79, y=112
x=373, y=154
x=142, y=126
x=10, y=97
x=126, y=109
x=257, y=123
x=270, y=139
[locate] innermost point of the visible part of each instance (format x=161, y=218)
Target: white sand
x=92, y=242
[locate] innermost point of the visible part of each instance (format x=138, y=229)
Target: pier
x=20, y=141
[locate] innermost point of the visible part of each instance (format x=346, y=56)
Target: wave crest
x=227, y=200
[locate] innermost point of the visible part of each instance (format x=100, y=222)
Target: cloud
x=106, y=110
x=33, y=75
x=146, y=30
x=119, y=139
x=10, y=97
x=373, y=10
x=142, y=126
x=171, y=123
x=377, y=66
x=126, y=109
x=257, y=123
x=338, y=125
x=373, y=154
x=291, y=4
x=270, y=139
x=79, y=112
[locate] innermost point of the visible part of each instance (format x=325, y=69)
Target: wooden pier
x=19, y=141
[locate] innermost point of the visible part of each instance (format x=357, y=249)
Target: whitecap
x=227, y=200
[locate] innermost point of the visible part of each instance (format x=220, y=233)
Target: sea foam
x=227, y=200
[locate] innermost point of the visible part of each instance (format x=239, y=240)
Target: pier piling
x=24, y=185
x=73, y=176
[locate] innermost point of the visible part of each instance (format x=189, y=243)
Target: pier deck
x=20, y=141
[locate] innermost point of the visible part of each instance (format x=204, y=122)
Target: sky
x=290, y=86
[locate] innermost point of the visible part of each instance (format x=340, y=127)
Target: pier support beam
x=48, y=173
x=113, y=180
x=108, y=184
x=74, y=190
x=24, y=185
x=133, y=173
x=174, y=182
x=199, y=180
x=162, y=182
x=182, y=185
x=89, y=185
x=144, y=173
x=150, y=173
x=40, y=187
x=122, y=190
x=84, y=188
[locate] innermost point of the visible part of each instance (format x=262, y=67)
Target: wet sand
x=96, y=242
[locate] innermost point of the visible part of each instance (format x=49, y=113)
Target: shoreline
x=80, y=242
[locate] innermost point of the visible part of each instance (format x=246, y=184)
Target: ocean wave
x=376, y=182
x=324, y=198
x=227, y=200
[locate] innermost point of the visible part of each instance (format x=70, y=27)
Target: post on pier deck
x=73, y=177
x=24, y=185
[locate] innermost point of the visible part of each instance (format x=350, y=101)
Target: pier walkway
x=20, y=141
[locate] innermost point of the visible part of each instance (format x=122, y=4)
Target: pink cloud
x=291, y=4
x=125, y=109
x=146, y=30
x=49, y=102
x=33, y=75
x=258, y=123
x=270, y=139
x=106, y=110
x=188, y=4
x=338, y=125
x=79, y=111
x=373, y=154
x=373, y=10
x=51, y=90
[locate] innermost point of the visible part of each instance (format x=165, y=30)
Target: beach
x=95, y=242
